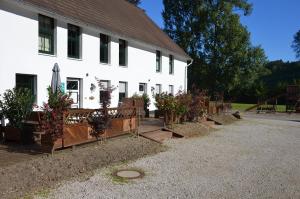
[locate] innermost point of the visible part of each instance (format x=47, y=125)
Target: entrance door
x=73, y=89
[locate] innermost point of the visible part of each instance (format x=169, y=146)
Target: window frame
x=124, y=44
x=160, y=89
x=103, y=89
x=158, y=61
x=77, y=39
x=145, y=88
x=171, y=64
x=107, y=46
x=44, y=32
x=34, y=84
x=126, y=90
x=171, y=89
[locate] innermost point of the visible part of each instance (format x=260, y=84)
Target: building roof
x=116, y=16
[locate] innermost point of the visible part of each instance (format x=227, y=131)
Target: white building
x=108, y=39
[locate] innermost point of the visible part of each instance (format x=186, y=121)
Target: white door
x=73, y=89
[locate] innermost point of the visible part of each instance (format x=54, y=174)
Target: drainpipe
x=185, y=75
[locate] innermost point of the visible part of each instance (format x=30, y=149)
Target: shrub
x=183, y=106
x=100, y=121
x=198, y=107
x=53, y=112
x=16, y=106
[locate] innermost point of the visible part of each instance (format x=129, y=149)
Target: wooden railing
x=81, y=116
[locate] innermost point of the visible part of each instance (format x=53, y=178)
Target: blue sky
x=272, y=24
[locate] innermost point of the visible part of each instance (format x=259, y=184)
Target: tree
x=296, y=44
x=135, y=2
x=210, y=31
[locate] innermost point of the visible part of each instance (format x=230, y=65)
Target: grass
x=243, y=107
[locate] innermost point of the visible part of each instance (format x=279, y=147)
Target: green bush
x=16, y=105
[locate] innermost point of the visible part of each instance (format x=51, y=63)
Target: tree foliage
x=135, y=2
x=296, y=44
x=210, y=31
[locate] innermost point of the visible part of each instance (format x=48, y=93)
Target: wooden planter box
x=75, y=134
x=121, y=127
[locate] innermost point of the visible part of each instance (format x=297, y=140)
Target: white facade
x=19, y=54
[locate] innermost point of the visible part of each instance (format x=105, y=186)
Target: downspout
x=186, y=74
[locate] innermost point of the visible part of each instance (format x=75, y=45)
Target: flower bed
x=77, y=130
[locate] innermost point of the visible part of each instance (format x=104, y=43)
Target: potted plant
x=16, y=106
x=52, y=119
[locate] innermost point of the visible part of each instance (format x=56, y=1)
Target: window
x=46, y=35
x=122, y=52
x=122, y=91
x=171, y=65
x=104, y=49
x=142, y=88
x=158, y=89
x=171, y=89
x=104, y=88
x=74, y=41
x=29, y=82
x=158, y=61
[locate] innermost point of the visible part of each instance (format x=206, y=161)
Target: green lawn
x=243, y=107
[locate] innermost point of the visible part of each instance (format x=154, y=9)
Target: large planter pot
x=23, y=136
x=12, y=134
x=49, y=145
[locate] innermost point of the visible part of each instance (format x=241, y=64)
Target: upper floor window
x=104, y=48
x=74, y=41
x=122, y=52
x=171, y=65
x=158, y=61
x=46, y=35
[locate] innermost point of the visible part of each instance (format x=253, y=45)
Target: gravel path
x=249, y=159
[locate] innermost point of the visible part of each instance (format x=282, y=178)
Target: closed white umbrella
x=55, y=82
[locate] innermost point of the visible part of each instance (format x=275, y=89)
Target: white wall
x=19, y=54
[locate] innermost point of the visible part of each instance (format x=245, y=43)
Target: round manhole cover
x=129, y=174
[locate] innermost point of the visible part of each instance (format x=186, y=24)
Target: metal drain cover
x=129, y=174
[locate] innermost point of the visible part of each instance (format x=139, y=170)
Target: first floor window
x=158, y=89
x=122, y=52
x=158, y=61
x=104, y=49
x=171, y=65
x=28, y=82
x=122, y=91
x=46, y=35
x=171, y=89
x=74, y=41
x=105, y=84
x=142, y=88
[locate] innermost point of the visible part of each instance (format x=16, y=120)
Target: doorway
x=74, y=91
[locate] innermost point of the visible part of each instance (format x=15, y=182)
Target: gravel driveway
x=249, y=159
